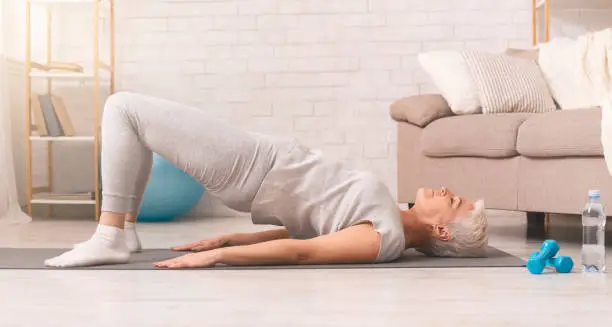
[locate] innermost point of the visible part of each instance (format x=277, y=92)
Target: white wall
x=324, y=71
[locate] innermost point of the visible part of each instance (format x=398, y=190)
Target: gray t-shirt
x=311, y=196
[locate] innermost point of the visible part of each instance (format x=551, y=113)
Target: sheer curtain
x=10, y=210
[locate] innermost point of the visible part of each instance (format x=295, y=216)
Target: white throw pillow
x=508, y=84
x=451, y=75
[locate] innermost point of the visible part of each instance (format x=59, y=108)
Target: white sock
x=106, y=246
x=131, y=237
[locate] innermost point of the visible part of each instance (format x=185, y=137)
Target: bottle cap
x=594, y=194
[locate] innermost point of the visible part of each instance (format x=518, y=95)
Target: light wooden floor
x=377, y=297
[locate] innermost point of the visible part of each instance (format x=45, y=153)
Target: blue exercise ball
x=170, y=193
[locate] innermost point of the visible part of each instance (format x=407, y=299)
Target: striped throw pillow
x=508, y=84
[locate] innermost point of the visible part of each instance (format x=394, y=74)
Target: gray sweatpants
x=230, y=163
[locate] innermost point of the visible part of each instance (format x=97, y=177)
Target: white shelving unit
x=60, y=1
x=57, y=75
x=85, y=76
x=99, y=72
x=69, y=2
x=62, y=201
x=63, y=138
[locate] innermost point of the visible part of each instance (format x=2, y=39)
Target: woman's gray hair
x=468, y=236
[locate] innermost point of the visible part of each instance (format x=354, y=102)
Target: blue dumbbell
x=546, y=258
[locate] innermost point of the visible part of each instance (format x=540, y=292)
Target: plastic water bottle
x=593, y=234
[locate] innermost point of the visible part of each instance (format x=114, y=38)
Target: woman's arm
x=233, y=240
x=254, y=238
x=357, y=244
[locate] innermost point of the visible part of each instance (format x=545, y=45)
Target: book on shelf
x=53, y=125
x=39, y=119
x=62, y=115
x=58, y=66
x=50, y=116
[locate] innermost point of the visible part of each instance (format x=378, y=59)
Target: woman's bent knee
x=118, y=109
x=121, y=105
x=119, y=100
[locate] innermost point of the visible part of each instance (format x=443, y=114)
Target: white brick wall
x=324, y=71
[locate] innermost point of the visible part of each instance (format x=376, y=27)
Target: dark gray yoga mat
x=13, y=258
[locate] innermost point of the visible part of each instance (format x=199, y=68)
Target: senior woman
x=327, y=212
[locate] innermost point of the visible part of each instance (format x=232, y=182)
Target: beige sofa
x=536, y=163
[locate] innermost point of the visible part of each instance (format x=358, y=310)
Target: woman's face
x=439, y=207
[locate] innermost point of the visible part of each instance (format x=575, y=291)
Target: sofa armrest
x=420, y=110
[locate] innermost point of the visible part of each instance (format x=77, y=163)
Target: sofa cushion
x=420, y=110
x=490, y=136
x=562, y=133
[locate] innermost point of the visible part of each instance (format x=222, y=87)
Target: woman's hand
x=191, y=260
x=233, y=240
x=205, y=245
